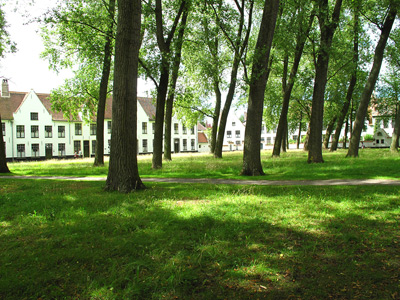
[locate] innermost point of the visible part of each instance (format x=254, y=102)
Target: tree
x=3, y=160
x=287, y=86
x=86, y=31
x=370, y=84
x=6, y=45
x=123, y=174
x=327, y=29
x=251, y=154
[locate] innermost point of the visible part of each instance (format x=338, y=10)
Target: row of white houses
x=32, y=130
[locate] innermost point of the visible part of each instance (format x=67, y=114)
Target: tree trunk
x=123, y=174
x=3, y=158
x=346, y=133
x=305, y=147
x=287, y=91
x=284, y=137
x=328, y=132
x=299, y=135
x=171, y=92
x=105, y=76
x=396, y=132
x=217, y=111
x=370, y=84
x=251, y=154
x=327, y=29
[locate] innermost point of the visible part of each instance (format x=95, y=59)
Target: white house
x=32, y=130
x=202, y=138
x=234, y=133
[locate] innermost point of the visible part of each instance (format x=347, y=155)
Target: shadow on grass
x=70, y=240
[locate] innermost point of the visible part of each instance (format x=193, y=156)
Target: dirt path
x=328, y=182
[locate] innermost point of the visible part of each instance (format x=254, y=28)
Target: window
x=109, y=146
x=294, y=137
x=93, y=129
x=35, y=150
x=34, y=131
x=61, y=131
x=176, y=128
x=377, y=141
x=21, y=150
x=233, y=124
x=192, y=144
x=382, y=141
x=262, y=140
x=94, y=147
x=237, y=134
x=184, y=129
x=78, y=128
x=34, y=116
x=184, y=144
x=153, y=125
x=144, y=145
x=229, y=134
x=269, y=140
x=61, y=149
x=77, y=147
x=48, y=131
x=144, y=127
x=3, y=128
x=192, y=130
x=238, y=143
x=109, y=124
x=263, y=129
x=21, y=131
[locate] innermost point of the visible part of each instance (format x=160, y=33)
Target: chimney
x=5, y=93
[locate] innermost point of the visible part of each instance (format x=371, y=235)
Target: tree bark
x=123, y=174
x=251, y=154
x=3, y=158
x=328, y=132
x=287, y=91
x=217, y=111
x=239, y=48
x=299, y=135
x=305, y=147
x=370, y=84
x=327, y=29
x=105, y=76
x=396, y=131
x=171, y=91
x=165, y=48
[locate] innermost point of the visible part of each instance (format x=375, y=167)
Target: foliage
x=368, y=137
x=6, y=44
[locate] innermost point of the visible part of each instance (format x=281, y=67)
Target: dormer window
x=34, y=116
x=233, y=124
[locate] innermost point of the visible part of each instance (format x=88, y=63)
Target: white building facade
x=32, y=130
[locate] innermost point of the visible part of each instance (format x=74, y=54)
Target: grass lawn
x=72, y=240
x=372, y=164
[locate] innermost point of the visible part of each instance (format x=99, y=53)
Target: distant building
x=32, y=130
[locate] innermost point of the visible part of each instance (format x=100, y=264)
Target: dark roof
x=202, y=137
x=10, y=105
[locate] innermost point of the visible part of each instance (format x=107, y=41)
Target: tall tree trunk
x=396, y=131
x=171, y=91
x=305, y=147
x=123, y=174
x=3, y=158
x=370, y=84
x=216, y=115
x=251, y=154
x=328, y=132
x=165, y=48
x=239, y=49
x=287, y=91
x=346, y=133
x=352, y=84
x=299, y=135
x=105, y=76
x=327, y=29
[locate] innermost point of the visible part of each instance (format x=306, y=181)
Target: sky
x=25, y=70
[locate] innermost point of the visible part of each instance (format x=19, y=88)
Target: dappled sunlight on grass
x=72, y=240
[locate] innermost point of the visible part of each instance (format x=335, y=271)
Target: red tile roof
x=10, y=105
x=202, y=137
x=149, y=107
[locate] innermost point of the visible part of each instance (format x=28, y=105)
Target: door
x=49, y=151
x=176, y=145
x=86, y=150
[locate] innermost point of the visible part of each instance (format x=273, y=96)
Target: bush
x=368, y=137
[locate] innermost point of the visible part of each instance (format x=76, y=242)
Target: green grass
x=372, y=164
x=71, y=240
